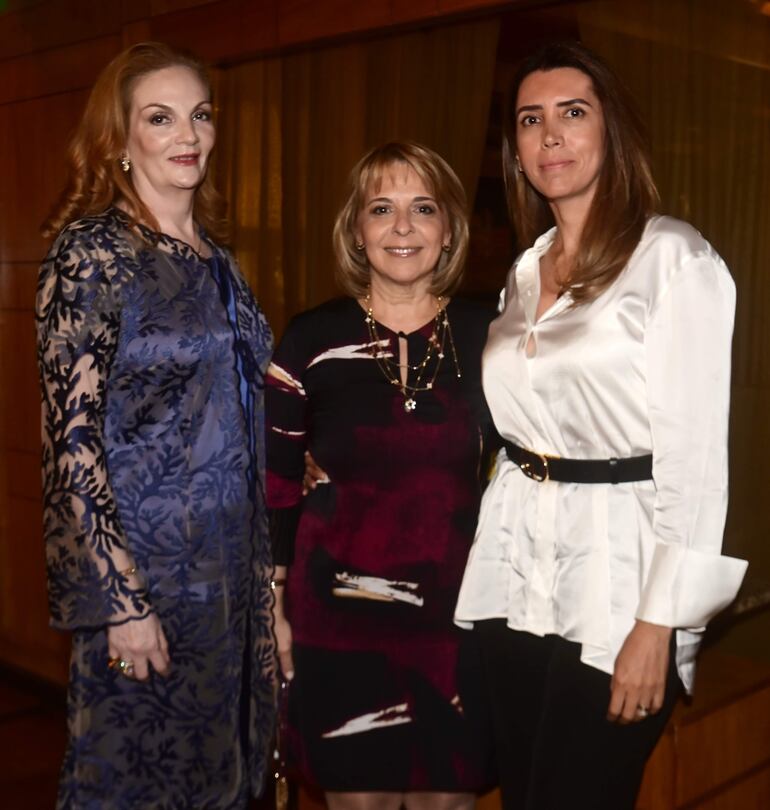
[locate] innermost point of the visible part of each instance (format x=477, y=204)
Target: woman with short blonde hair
x=352, y=271
x=383, y=387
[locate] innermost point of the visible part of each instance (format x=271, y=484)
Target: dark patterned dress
x=151, y=363
x=384, y=696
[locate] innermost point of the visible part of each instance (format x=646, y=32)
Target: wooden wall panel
x=166, y=6
x=32, y=166
x=20, y=427
x=415, y=9
x=54, y=71
x=305, y=20
x=222, y=31
x=706, y=758
x=17, y=285
x=52, y=23
x=26, y=640
x=749, y=794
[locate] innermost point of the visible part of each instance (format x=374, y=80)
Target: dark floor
x=32, y=739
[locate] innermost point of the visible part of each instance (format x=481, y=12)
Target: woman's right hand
x=140, y=643
x=314, y=475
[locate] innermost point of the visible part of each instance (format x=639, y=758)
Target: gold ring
x=124, y=667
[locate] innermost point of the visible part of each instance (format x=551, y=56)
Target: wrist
x=658, y=630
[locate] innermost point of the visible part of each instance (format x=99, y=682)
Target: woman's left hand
x=638, y=683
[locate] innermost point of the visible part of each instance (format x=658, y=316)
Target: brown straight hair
x=352, y=266
x=95, y=180
x=625, y=196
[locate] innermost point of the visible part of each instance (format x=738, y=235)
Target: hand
x=639, y=679
x=314, y=475
x=282, y=630
x=281, y=626
x=140, y=642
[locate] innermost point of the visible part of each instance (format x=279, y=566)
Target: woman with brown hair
x=383, y=386
x=596, y=561
x=152, y=351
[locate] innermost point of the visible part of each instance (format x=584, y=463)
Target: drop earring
x=125, y=163
x=518, y=165
x=360, y=246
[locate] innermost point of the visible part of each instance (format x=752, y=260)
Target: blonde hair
x=352, y=270
x=626, y=195
x=95, y=180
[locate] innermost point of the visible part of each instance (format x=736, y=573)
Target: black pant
x=555, y=748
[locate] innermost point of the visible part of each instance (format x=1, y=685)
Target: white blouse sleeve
x=688, y=342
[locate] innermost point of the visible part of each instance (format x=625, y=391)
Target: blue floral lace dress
x=151, y=363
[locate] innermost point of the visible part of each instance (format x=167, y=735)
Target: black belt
x=540, y=467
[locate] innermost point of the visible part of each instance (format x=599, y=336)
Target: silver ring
x=642, y=712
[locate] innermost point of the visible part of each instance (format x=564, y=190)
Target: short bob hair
x=626, y=195
x=95, y=180
x=353, y=273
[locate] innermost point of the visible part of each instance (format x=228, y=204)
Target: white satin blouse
x=644, y=368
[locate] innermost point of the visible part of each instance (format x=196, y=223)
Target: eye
x=575, y=112
x=380, y=210
x=157, y=119
x=425, y=208
x=202, y=115
x=528, y=120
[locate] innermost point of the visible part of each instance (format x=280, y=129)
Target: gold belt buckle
x=534, y=474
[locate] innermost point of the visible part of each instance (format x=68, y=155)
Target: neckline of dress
x=425, y=330
x=160, y=237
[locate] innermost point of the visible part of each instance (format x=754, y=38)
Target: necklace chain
x=391, y=369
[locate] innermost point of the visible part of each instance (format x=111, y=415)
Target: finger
x=287, y=664
x=630, y=706
x=162, y=642
x=141, y=671
x=615, y=708
x=656, y=702
x=161, y=662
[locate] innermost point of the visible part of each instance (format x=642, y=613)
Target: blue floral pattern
x=152, y=363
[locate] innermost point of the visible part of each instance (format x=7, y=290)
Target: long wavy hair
x=626, y=195
x=95, y=180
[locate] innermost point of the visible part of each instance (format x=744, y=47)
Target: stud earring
x=360, y=245
x=446, y=248
x=125, y=163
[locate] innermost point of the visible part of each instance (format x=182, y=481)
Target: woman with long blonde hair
x=151, y=352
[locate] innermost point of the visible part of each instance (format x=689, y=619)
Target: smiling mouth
x=557, y=165
x=186, y=160
x=403, y=253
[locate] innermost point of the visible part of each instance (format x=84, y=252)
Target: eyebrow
x=568, y=103
x=166, y=106
x=388, y=199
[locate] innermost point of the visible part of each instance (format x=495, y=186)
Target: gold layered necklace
x=436, y=350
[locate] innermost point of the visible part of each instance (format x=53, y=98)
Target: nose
x=403, y=223
x=552, y=135
x=186, y=132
